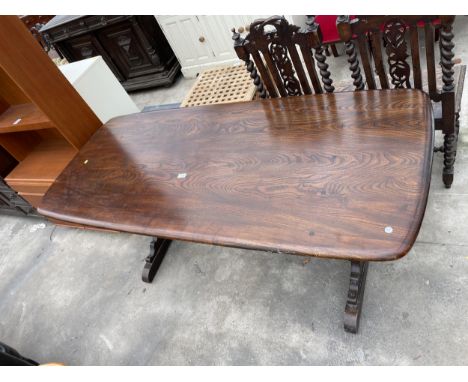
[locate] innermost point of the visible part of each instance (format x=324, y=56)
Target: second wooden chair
x=444, y=87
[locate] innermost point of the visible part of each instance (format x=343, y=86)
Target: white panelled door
x=219, y=30
x=201, y=42
x=183, y=32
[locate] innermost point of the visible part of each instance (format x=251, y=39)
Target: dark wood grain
x=320, y=175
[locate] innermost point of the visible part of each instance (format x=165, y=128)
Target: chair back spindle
x=414, y=37
x=376, y=44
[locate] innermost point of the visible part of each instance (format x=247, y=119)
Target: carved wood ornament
x=279, y=53
x=271, y=54
x=270, y=38
x=396, y=49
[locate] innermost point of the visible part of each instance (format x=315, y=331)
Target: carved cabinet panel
x=133, y=47
x=128, y=53
x=88, y=46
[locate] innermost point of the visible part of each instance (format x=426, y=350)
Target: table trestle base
x=158, y=250
x=357, y=284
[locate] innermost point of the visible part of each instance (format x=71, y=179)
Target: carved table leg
x=158, y=250
x=357, y=284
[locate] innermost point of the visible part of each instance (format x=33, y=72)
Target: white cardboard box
x=98, y=86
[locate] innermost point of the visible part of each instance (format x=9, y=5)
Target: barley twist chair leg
x=357, y=285
x=450, y=152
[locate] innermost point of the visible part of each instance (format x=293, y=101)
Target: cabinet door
x=82, y=47
x=123, y=43
x=187, y=39
x=200, y=42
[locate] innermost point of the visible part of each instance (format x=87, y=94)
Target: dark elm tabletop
x=342, y=175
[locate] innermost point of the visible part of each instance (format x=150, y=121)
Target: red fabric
x=330, y=32
x=435, y=22
x=328, y=27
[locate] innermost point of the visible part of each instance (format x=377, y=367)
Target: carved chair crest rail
x=273, y=51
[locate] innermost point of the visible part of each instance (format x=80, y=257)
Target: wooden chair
x=331, y=36
x=271, y=55
x=389, y=34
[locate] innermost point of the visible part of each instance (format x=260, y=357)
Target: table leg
x=357, y=285
x=158, y=250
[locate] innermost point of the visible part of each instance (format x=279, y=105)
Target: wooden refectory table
x=342, y=176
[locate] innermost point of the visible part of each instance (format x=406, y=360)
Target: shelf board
x=23, y=117
x=43, y=165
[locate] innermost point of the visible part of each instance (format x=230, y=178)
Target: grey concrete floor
x=76, y=296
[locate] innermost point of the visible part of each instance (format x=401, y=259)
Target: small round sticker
x=388, y=229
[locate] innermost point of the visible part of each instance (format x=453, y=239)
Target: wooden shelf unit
x=33, y=176
x=43, y=120
x=23, y=117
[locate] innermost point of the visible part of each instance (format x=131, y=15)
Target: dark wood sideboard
x=34, y=23
x=134, y=47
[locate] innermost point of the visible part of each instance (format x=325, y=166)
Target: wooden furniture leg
x=357, y=285
x=158, y=250
x=334, y=50
x=450, y=150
